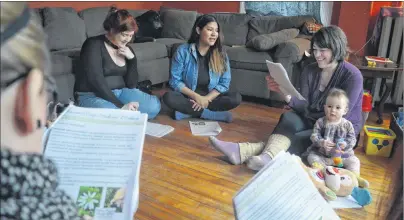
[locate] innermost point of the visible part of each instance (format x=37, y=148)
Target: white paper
x=278, y=72
x=98, y=153
x=158, y=130
x=205, y=128
x=344, y=203
x=281, y=190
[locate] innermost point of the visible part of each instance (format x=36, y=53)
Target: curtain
x=321, y=11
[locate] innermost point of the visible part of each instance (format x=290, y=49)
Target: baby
x=329, y=130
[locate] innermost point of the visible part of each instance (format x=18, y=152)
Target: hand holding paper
x=278, y=72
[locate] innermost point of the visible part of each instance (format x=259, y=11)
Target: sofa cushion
x=264, y=42
x=270, y=24
x=234, y=27
x=61, y=64
x=94, y=17
x=73, y=53
x=149, y=51
x=37, y=13
x=169, y=42
x=178, y=24
x=163, y=9
x=65, y=87
x=65, y=29
x=247, y=58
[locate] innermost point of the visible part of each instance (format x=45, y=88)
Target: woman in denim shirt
x=200, y=76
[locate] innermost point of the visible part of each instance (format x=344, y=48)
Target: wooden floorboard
x=183, y=177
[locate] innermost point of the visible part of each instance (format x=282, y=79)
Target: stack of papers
x=281, y=190
x=278, y=72
x=205, y=128
x=158, y=130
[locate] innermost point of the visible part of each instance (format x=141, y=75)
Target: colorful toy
x=338, y=153
x=366, y=105
x=379, y=141
x=332, y=182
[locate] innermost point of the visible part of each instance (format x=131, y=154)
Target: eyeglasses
x=52, y=95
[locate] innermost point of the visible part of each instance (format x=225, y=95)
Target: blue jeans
x=147, y=103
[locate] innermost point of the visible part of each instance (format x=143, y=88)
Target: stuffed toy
x=333, y=181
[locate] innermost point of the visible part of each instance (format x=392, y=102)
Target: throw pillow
x=265, y=42
x=310, y=28
x=58, y=23
x=178, y=24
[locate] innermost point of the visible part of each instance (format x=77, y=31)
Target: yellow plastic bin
x=379, y=141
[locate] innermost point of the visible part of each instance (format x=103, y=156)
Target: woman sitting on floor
x=200, y=76
x=108, y=69
x=329, y=48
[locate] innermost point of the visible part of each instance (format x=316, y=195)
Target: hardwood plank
x=183, y=177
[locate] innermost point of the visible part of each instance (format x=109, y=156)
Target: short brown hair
x=333, y=38
x=119, y=21
x=339, y=93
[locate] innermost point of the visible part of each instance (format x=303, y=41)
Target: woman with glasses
x=329, y=48
x=29, y=182
x=107, y=77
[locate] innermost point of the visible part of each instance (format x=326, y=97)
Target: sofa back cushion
x=177, y=23
x=94, y=17
x=65, y=29
x=270, y=24
x=234, y=27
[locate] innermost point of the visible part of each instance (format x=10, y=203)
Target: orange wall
x=353, y=18
x=201, y=6
x=83, y=5
x=205, y=6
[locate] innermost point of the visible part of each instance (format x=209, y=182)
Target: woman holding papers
x=329, y=48
x=108, y=69
x=28, y=181
x=200, y=76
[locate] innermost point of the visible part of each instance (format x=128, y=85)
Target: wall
x=201, y=6
x=83, y=5
x=205, y=6
x=353, y=18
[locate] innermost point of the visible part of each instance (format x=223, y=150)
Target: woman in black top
x=108, y=69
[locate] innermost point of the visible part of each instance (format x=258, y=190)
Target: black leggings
x=298, y=129
x=180, y=102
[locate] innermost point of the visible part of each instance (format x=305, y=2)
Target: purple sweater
x=346, y=77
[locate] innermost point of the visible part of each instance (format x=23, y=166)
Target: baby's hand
x=327, y=143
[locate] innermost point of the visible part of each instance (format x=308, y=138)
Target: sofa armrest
x=291, y=50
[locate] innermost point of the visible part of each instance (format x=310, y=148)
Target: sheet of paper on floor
x=205, y=128
x=344, y=203
x=158, y=130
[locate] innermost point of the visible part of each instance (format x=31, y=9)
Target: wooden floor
x=182, y=177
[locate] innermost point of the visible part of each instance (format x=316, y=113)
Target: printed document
x=158, y=130
x=98, y=153
x=278, y=72
x=281, y=190
x=205, y=128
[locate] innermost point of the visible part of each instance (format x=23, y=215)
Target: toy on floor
x=378, y=141
x=338, y=153
x=332, y=182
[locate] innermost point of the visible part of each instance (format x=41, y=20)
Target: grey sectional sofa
x=67, y=29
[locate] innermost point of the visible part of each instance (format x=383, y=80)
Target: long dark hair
x=217, y=55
